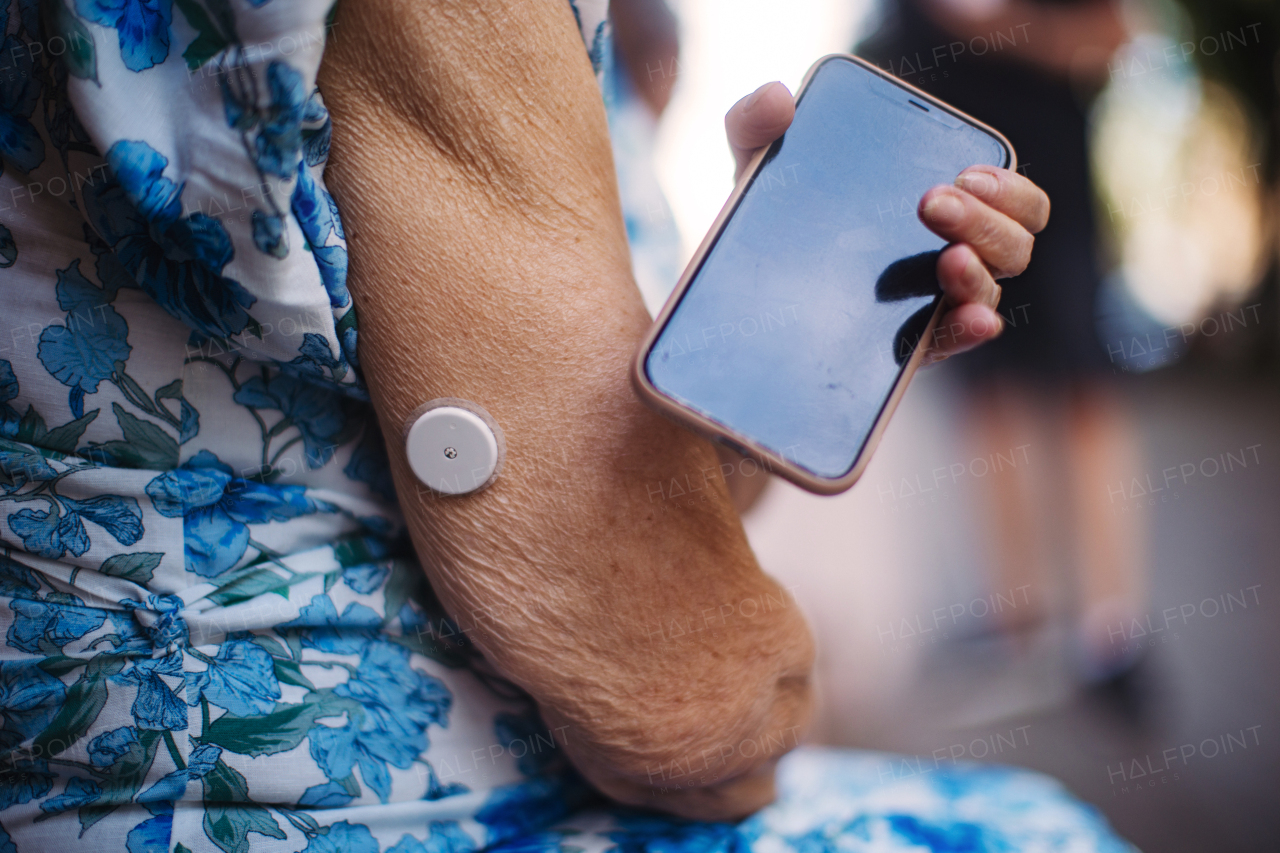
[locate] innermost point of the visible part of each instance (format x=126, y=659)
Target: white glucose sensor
x=454, y=446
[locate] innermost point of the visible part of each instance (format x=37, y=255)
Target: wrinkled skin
x=489, y=261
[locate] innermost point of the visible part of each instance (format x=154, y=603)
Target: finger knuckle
x=984, y=289
x=994, y=292
x=1001, y=187
x=991, y=235
x=1024, y=243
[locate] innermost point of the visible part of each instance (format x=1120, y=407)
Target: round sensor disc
x=452, y=449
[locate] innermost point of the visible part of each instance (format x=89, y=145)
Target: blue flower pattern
x=50, y=621
x=397, y=703
x=313, y=409
x=269, y=119
x=217, y=508
x=30, y=699
x=108, y=747
x=240, y=679
x=20, y=143
x=85, y=351
x=155, y=706
x=206, y=594
x=148, y=243
x=142, y=27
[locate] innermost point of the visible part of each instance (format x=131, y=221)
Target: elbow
x=700, y=737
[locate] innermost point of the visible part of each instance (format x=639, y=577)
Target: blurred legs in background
x=1051, y=526
x=1111, y=550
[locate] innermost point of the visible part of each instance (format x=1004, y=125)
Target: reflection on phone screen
x=801, y=316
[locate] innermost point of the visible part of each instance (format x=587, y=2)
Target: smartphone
x=798, y=323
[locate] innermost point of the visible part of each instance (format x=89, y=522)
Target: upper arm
x=471, y=161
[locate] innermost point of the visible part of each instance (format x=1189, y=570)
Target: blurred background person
x=1154, y=122
x=1032, y=69
x=645, y=67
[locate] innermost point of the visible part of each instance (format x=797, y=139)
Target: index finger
x=1008, y=192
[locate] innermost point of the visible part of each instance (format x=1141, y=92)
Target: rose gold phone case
x=718, y=432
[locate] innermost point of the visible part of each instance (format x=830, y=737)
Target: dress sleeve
x=215, y=137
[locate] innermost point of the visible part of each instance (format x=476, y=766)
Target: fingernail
x=754, y=98
x=999, y=323
x=973, y=270
x=944, y=210
x=979, y=184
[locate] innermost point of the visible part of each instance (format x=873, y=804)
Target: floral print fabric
x=215, y=637
x=831, y=800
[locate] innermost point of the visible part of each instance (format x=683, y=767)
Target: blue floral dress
x=215, y=636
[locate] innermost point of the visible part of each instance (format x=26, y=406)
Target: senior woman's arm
x=489, y=261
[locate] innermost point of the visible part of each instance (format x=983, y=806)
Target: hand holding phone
x=840, y=269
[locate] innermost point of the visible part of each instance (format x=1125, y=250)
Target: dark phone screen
x=802, y=315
